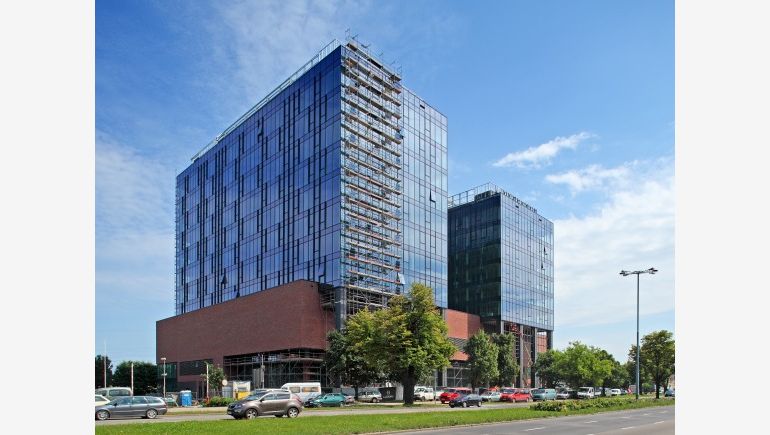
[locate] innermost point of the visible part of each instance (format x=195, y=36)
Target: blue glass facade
x=500, y=259
x=339, y=176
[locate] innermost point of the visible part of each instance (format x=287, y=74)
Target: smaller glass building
x=500, y=267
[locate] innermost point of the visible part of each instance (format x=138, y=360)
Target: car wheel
x=102, y=415
x=151, y=413
x=292, y=412
x=465, y=404
x=478, y=404
x=375, y=400
x=340, y=404
x=251, y=414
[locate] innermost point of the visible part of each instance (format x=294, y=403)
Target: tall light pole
x=651, y=271
x=163, y=361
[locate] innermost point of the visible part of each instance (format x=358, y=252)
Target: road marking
x=590, y=421
x=534, y=428
x=658, y=422
x=625, y=417
x=629, y=427
x=646, y=414
x=663, y=412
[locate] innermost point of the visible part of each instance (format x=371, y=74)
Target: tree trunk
x=409, y=382
x=657, y=389
x=355, y=389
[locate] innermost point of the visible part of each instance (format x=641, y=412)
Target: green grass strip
x=356, y=424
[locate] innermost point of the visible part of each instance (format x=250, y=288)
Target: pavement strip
x=629, y=427
x=659, y=422
x=534, y=428
x=590, y=421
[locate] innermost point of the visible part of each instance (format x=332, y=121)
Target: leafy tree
x=506, y=361
x=657, y=357
x=630, y=366
x=482, y=359
x=548, y=367
x=581, y=366
x=406, y=341
x=145, y=376
x=100, y=381
x=346, y=363
x=615, y=368
x=216, y=376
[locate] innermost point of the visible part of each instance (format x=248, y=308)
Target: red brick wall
x=284, y=317
x=461, y=325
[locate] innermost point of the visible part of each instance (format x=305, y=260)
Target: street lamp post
x=163, y=360
x=651, y=271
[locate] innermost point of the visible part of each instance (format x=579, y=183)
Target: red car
x=451, y=393
x=515, y=395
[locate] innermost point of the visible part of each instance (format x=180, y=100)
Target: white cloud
x=134, y=222
x=632, y=230
x=591, y=177
x=534, y=157
x=262, y=43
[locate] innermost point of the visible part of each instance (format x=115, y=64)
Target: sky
x=567, y=105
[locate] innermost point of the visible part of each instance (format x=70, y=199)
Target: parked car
x=349, y=400
x=328, y=399
x=451, y=393
x=101, y=400
x=521, y=395
x=669, y=393
x=543, y=394
x=277, y=403
x=465, y=400
x=491, y=396
x=566, y=394
x=585, y=393
x=424, y=393
x=615, y=392
x=113, y=393
x=132, y=406
x=370, y=396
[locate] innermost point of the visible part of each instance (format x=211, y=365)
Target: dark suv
x=277, y=403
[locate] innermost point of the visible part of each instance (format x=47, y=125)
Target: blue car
x=543, y=394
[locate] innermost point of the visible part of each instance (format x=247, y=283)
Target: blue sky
x=567, y=105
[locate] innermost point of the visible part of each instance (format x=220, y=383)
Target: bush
x=218, y=401
x=569, y=405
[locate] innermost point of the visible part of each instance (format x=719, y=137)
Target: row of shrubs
x=569, y=405
x=218, y=401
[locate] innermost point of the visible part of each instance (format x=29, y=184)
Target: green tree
x=100, y=362
x=506, y=361
x=346, y=363
x=581, y=366
x=547, y=367
x=215, y=377
x=615, y=367
x=657, y=357
x=630, y=366
x=482, y=359
x=406, y=341
x=145, y=376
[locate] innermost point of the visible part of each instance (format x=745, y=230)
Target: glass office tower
x=338, y=176
x=501, y=267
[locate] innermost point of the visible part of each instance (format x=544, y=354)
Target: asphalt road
x=326, y=412
x=647, y=421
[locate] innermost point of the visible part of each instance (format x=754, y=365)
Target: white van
x=305, y=390
x=585, y=393
x=113, y=393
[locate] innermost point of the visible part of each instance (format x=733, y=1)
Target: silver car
x=277, y=403
x=133, y=406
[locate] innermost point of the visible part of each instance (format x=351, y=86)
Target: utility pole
x=651, y=271
x=132, y=378
x=104, y=361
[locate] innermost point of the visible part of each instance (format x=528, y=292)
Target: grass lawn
x=353, y=424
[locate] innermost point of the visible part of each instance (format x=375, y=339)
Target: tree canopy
x=406, y=341
x=657, y=357
x=346, y=363
x=507, y=368
x=482, y=359
x=100, y=372
x=145, y=376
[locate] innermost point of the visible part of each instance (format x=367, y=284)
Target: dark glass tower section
x=501, y=267
x=338, y=176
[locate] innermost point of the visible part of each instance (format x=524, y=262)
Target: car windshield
x=538, y=391
x=584, y=389
x=508, y=390
x=255, y=396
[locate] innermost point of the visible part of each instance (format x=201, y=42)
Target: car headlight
x=238, y=405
